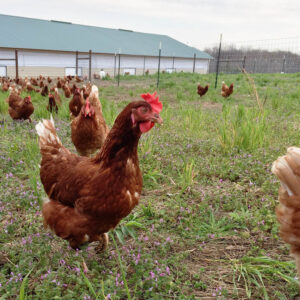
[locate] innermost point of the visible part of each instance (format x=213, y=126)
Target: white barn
x=52, y=47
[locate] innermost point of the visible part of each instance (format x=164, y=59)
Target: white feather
x=46, y=200
x=46, y=133
x=40, y=127
x=52, y=121
x=95, y=89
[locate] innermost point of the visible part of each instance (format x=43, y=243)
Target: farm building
x=55, y=48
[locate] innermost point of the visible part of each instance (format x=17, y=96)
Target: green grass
x=205, y=225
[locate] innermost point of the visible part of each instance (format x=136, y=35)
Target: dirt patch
x=212, y=105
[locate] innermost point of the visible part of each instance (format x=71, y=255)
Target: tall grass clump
x=186, y=177
x=242, y=128
x=192, y=120
x=3, y=107
x=257, y=271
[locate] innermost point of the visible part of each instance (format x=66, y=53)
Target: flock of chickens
x=225, y=91
x=88, y=195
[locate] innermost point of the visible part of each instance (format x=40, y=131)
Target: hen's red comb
x=153, y=100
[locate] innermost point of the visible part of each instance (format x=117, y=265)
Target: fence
x=32, y=63
x=261, y=56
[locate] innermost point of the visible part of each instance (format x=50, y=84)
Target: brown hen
x=202, y=90
x=20, y=109
x=52, y=106
x=75, y=104
x=89, y=196
x=89, y=129
x=226, y=91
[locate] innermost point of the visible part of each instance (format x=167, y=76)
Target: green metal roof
x=27, y=33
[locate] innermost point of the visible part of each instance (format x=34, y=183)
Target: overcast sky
x=195, y=22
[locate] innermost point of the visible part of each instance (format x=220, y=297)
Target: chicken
x=33, y=81
x=287, y=169
x=77, y=79
x=57, y=97
x=67, y=91
x=202, y=90
x=76, y=104
x=20, y=108
x=73, y=89
x=89, y=196
x=86, y=90
x=5, y=86
x=45, y=90
x=29, y=87
x=14, y=89
x=52, y=106
x=88, y=129
x=226, y=91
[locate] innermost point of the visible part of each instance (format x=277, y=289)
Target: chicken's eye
x=143, y=109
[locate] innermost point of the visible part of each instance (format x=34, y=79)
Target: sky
x=197, y=23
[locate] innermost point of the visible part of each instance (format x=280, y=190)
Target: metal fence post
x=194, y=63
x=159, y=54
x=244, y=62
x=218, y=61
x=119, y=67
x=76, y=64
x=173, y=62
x=90, y=65
x=144, y=65
x=254, y=65
x=17, y=64
x=115, y=64
x=283, y=65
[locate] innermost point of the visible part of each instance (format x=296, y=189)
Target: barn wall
x=34, y=63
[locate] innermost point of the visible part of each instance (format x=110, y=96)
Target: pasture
x=205, y=227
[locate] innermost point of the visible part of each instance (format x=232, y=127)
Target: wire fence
x=90, y=66
x=260, y=56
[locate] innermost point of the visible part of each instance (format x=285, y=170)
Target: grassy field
x=205, y=227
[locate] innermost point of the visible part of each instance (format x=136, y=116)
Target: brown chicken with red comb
x=89, y=196
x=20, y=109
x=89, y=129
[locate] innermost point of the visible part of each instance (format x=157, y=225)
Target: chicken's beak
x=156, y=118
x=87, y=112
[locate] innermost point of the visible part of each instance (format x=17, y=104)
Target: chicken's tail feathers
x=94, y=97
x=47, y=133
x=95, y=91
x=94, y=88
